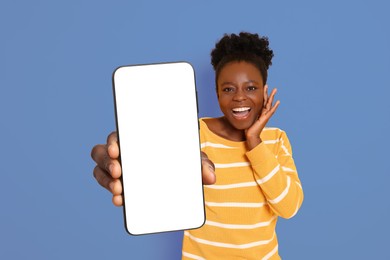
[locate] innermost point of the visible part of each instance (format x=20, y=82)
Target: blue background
x=331, y=67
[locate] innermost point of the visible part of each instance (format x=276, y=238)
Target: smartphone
x=158, y=133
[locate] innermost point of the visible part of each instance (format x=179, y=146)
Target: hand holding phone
x=158, y=134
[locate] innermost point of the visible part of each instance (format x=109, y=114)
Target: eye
x=251, y=88
x=227, y=89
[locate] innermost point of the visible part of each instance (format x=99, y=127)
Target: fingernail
x=110, y=167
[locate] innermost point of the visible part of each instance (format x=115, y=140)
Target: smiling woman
x=256, y=178
x=248, y=169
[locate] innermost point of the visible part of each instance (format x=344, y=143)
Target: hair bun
x=244, y=43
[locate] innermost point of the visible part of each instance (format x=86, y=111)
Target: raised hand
x=253, y=133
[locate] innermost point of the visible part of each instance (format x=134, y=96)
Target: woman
x=249, y=168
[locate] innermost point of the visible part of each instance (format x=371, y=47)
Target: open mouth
x=241, y=112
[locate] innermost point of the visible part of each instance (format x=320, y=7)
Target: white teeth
x=241, y=109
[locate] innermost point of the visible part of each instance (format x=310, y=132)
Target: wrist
x=252, y=142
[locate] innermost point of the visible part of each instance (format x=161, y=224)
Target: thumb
x=208, y=170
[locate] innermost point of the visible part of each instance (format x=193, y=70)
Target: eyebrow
x=232, y=83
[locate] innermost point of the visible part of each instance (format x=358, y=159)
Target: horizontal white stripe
x=227, y=245
x=283, y=194
x=286, y=169
x=270, y=128
x=244, y=184
x=238, y=226
x=209, y=144
x=269, y=176
x=231, y=186
x=192, y=256
x=271, y=141
x=231, y=165
x=236, y=204
x=273, y=251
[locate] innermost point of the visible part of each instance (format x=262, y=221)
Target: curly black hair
x=243, y=47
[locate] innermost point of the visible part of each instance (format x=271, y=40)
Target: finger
x=112, y=137
x=100, y=155
x=104, y=179
x=112, y=145
x=208, y=174
x=271, y=99
x=273, y=109
x=273, y=92
x=208, y=170
x=265, y=95
x=116, y=187
x=113, y=166
x=117, y=200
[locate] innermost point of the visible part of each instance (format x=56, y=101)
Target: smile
x=241, y=112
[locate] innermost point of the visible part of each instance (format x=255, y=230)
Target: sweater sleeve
x=277, y=176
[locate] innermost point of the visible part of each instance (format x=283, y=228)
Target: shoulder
x=203, y=127
x=207, y=123
x=273, y=134
x=207, y=120
x=273, y=131
x=277, y=138
x=202, y=119
x=207, y=131
x=202, y=123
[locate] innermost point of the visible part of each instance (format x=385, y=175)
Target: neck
x=229, y=132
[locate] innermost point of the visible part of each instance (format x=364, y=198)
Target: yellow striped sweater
x=252, y=189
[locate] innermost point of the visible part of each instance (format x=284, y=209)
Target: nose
x=239, y=95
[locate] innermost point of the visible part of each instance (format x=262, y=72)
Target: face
x=240, y=93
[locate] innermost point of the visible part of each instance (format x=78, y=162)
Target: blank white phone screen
x=158, y=132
